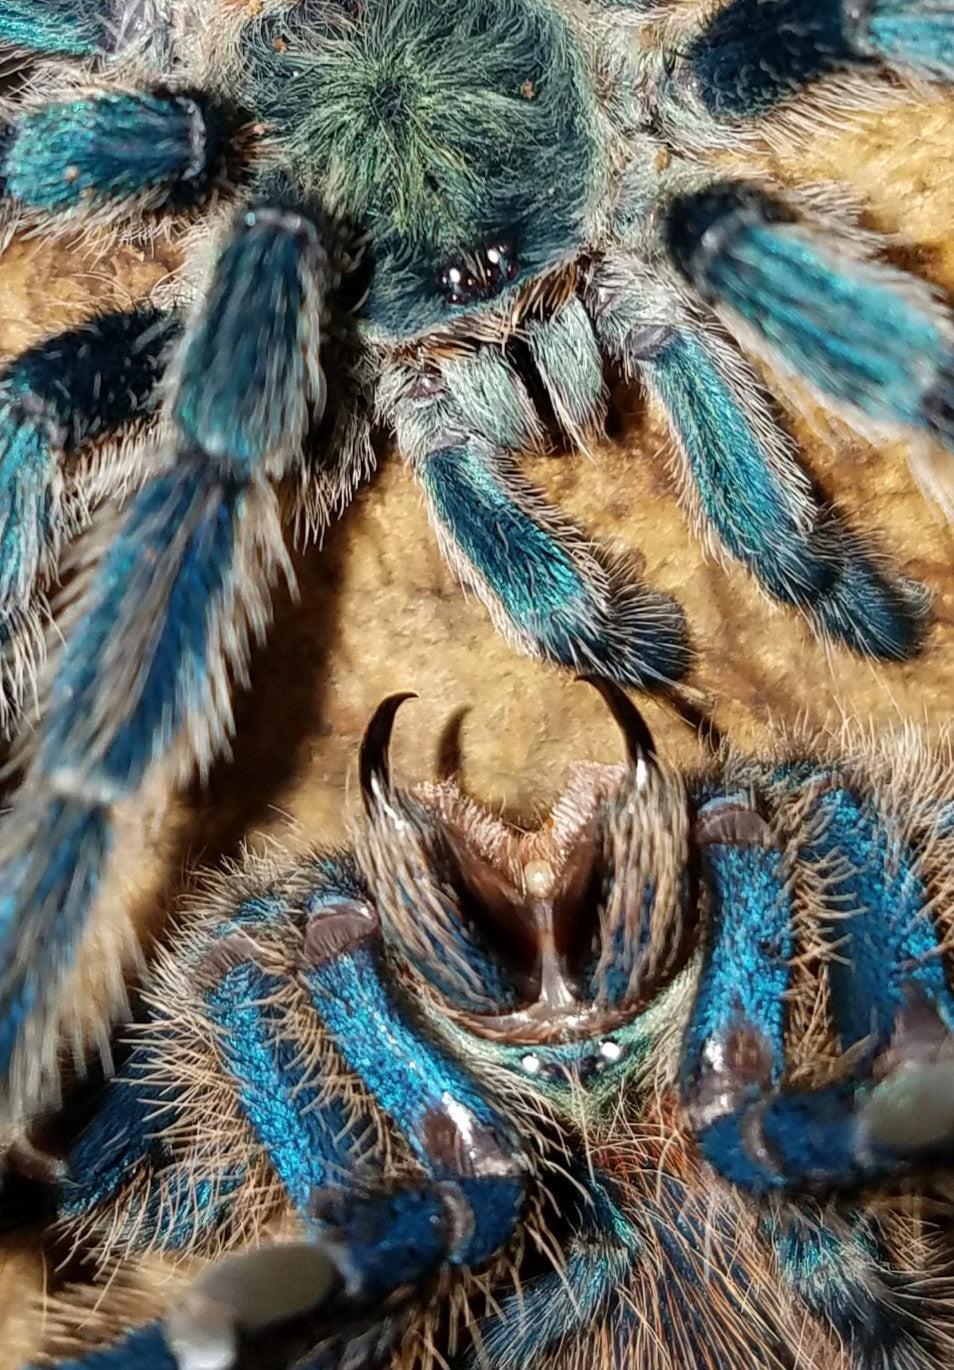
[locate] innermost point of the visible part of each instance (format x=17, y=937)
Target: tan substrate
x=379, y=611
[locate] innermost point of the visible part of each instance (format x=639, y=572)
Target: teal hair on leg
x=74, y=28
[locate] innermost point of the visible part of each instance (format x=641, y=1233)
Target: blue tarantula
x=439, y=217
x=664, y=1083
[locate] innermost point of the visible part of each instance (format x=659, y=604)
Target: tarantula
x=638, y=1088
x=440, y=217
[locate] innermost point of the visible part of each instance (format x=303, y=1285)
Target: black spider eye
x=482, y=276
x=502, y=261
x=460, y=286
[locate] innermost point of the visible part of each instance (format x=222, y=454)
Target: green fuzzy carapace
x=460, y=136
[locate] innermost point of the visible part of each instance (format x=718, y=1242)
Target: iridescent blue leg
x=838, y=1266
x=744, y=480
x=167, y=614
x=888, y=960
x=545, y=589
x=461, y=1141
x=380, y=1236
x=81, y=386
x=753, y=55
x=144, y=1349
x=733, y=1052
x=888, y=990
x=854, y=329
x=74, y=28
x=147, y=1120
x=132, y=1138
x=162, y=149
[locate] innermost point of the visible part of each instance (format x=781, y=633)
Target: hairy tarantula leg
x=476, y=1189
x=466, y=1207
x=74, y=388
x=308, y=1138
x=889, y=997
x=74, y=28
x=78, y=387
x=126, y=1149
x=160, y=149
x=229, y=1022
x=878, y=908
x=166, y=616
x=739, y=1001
x=742, y=477
x=842, y=1269
x=460, y=1140
x=752, y=55
x=854, y=329
x=546, y=591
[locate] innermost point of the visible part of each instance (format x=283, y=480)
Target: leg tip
x=913, y=1109
x=246, y=1293
x=872, y=613
x=647, y=647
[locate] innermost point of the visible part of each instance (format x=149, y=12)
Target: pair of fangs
x=640, y=747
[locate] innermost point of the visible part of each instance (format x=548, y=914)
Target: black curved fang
x=373, y=758
x=639, y=740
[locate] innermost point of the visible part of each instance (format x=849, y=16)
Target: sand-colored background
x=378, y=610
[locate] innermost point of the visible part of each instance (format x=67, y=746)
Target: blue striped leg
x=154, y=148
x=469, y=1198
x=742, y=479
x=755, y=53
x=853, y=329
x=462, y=1210
x=545, y=589
x=165, y=618
x=890, y=1003
x=81, y=386
x=315, y=1126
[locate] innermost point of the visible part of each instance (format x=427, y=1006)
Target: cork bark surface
x=377, y=610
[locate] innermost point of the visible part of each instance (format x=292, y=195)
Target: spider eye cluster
x=481, y=276
x=458, y=136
